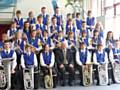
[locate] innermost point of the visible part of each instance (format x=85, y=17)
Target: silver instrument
x=7, y=72
x=87, y=74
x=103, y=74
x=28, y=74
x=116, y=72
x=48, y=79
x=3, y=79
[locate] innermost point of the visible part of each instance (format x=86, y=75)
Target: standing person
x=19, y=20
x=90, y=20
x=45, y=15
x=31, y=19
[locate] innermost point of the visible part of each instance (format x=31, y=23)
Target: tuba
x=87, y=74
x=28, y=74
x=5, y=73
x=48, y=80
x=3, y=79
x=103, y=74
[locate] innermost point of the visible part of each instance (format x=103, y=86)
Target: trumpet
x=48, y=79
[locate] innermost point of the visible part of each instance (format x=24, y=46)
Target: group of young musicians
x=63, y=46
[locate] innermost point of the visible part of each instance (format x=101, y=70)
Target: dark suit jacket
x=59, y=56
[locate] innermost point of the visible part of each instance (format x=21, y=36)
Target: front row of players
x=60, y=60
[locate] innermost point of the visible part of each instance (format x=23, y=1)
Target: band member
x=59, y=38
x=7, y=52
x=99, y=27
x=4, y=38
x=69, y=16
x=116, y=52
x=96, y=39
x=90, y=20
x=19, y=20
x=26, y=30
x=110, y=39
x=83, y=57
x=45, y=16
x=28, y=61
x=35, y=41
x=40, y=26
x=84, y=38
x=84, y=28
x=54, y=28
x=28, y=58
x=47, y=60
x=47, y=40
x=65, y=63
x=13, y=29
x=78, y=21
x=31, y=19
x=58, y=16
x=70, y=28
x=99, y=57
x=19, y=45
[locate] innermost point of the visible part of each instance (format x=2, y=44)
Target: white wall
x=34, y=5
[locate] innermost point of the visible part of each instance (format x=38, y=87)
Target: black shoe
x=97, y=84
x=81, y=84
x=63, y=84
x=70, y=84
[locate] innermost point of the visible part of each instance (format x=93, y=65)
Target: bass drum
x=116, y=72
x=3, y=79
x=87, y=74
x=103, y=74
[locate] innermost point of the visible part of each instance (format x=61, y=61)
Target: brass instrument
x=7, y=72
x=28, y=74
x=103, y=74
x=87, y=74
x=48, y=80
x=116, y=72
x=3, y=79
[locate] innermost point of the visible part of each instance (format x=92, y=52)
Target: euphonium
x=3, y=79
x=48, y=79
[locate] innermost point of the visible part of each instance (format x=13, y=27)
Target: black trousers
x=46, y=71
x=63, y=71
x=80, y=74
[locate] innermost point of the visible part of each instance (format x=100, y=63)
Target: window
x=109, y=3
x=118, y=10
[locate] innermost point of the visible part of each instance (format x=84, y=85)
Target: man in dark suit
x=65, y=61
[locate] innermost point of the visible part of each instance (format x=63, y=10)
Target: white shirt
x=95, y=58
x=14, y=63
x=23, y=60
x=78, y=57
x=43, y=63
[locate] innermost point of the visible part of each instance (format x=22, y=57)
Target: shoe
x=63, y=84
x=70, y=84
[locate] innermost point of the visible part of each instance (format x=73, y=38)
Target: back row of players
x=77, y=43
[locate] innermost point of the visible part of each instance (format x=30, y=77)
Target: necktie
x=18, y=42
x=6, y=52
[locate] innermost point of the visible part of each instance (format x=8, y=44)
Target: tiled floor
x=111, y=87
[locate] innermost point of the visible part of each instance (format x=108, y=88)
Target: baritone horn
x=48, y=79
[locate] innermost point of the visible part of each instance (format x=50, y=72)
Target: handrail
x=12, y=11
